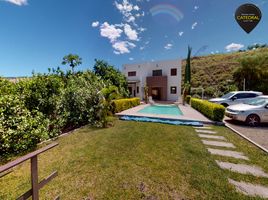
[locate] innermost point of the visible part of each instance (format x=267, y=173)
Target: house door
x=130, y=91
x=156, y=93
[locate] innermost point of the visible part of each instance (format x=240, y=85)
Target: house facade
x=163, y=79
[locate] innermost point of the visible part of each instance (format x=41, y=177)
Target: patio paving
x=189, y=114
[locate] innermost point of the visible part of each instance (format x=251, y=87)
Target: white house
x=163, y=79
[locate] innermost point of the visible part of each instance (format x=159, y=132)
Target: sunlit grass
x=135, y=160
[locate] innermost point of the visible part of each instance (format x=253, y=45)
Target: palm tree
x=73, y=60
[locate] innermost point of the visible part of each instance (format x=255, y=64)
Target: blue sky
x=36, y=34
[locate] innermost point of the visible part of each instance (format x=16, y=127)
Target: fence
x=34, y=191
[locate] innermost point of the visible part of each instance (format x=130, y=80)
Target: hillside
x=215, y=72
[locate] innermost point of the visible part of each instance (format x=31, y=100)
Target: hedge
x=213, y=111
x=124, y=104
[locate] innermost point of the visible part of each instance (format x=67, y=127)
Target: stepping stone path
x=218, y=144
x=242, y=169
x=249, y=189
x=212, y=137
x=205, y=131
x=202, y=127
x=228, y=153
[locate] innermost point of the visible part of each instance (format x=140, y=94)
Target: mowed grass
x=134, y=160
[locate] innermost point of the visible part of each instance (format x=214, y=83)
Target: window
x=132, y=73
x=173, y=72
x=245, y=95
x=173, y=90
x=138, y=89
x=157, y=72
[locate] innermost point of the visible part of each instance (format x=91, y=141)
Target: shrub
x=211, y=110
x=20, y=129
x=124, y=104
x=82, y=101
x=188, y=99
x=43, y=93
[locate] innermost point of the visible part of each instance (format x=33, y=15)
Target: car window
x=245, y=95
x=226, y=96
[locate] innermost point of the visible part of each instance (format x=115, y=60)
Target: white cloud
x=196, y=7
x=130, y=33
x=141, y=29
x=131, y=59
x=142, y=48
x=181, y=33
x=129, y=11
x=131, y=19
x=95, y=24
x=168, y=46
x=122, y=47
x=194, y=25
x=234, y=47
x=136, y=8
x=125, y=8
x=110, y=31
x=18, y=2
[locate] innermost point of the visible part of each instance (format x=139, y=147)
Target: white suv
x=237, y=97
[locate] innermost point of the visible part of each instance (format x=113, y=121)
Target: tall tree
x=254, y=70
x=72, y=60
x=187, y=78
x=112, y=76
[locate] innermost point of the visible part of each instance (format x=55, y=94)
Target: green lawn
x=135, y=161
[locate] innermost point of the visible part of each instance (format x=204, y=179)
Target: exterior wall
x=144, y=70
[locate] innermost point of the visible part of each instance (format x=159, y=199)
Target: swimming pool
x=161, y=110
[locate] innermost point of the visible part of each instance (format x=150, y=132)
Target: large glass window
x=157, y=72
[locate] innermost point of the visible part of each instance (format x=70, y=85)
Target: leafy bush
x=20, y=129
x=188, y=99
x=211, y=110
x=82, y=102
x=124, y=104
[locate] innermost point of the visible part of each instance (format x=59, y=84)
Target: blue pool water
x=158, y=120
x=161, y=110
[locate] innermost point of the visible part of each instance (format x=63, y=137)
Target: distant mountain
x=214, y=73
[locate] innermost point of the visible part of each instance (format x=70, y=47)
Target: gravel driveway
x=257, y=134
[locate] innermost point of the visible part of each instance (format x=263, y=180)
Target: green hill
x=214, y=73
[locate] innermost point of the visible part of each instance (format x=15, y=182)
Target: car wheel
x=225, y=105
x=253, y=120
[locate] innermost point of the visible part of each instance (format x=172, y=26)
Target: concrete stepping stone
x=250, y=189
x=205, y=131
x=228, y=153
x=211, y=136
x=243, y=169
x=202, y=127
x=218, y=144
